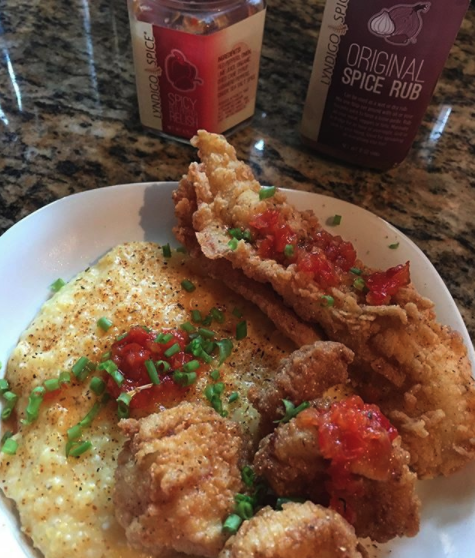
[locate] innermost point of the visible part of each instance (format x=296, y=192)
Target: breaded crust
x=415, y=369
x=291, y=462
x=176, y=479
x=298, y=531
x=304, y=375
x=263, y=296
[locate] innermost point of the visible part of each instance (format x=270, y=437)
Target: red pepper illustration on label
x=399, y=25
x=180, y=72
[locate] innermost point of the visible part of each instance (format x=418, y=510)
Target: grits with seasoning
x=136, y=294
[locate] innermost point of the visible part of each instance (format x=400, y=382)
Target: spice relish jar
x=196, y=63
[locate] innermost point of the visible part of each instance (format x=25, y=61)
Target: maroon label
x=383, y=73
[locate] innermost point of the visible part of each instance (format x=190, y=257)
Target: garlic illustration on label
x=382, y=24
x=399, y=25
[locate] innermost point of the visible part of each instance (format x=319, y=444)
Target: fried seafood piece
x=298, y=531
x=263, y=296
x=175, y=480
x=304, y=375
x=338, y=455
x=415, y=369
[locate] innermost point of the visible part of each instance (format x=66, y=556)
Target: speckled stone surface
x=69, y=122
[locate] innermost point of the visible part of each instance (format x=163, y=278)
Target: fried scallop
x=305, y=375
x=176, y=479
x=414, y=368
x=298, y=531
x=376, y=493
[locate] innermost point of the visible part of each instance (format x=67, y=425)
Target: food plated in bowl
x=132, y=215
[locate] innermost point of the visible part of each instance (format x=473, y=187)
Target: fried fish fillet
x=176, y=479
x=298, y=531
x=383, y=506
x=414, y=368
x=263, y=296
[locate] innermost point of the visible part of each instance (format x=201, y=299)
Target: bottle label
x=186, y=82
x=375, y=69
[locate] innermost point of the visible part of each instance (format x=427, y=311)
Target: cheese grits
x=144, y=291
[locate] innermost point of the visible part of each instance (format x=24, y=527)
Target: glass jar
x=376, y=66
x=196, y=63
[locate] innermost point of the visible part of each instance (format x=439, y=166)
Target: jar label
x=375, y=69
x=186, y=82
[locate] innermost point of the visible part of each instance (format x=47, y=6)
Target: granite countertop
x=69, y=122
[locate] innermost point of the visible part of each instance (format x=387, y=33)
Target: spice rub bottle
x=196, y=63
x=375, y=69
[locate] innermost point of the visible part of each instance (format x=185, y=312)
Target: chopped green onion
x=232, y=524
x=217, y=315
x=244, y=510
x=327, y=301
x=163, y=364
x=197, y=350
x=57, y=285
x=241, y=330
x=166, y=251
x=291, y=410
x=188, y=327
x=196, y=316
x=173, y=350
x=359, y=284
x=123, y=402
x=207, y=321
x=281, y=501
x=217, y=405
x=91, y=415
x=394, y=246
x=52, y=384
x=82, y=368
x=240, y=234
x=111, y=368
x=188, y=285
x=237, y=313
x=233, y=397
x=336, y=220
x=78, y=448
x=11, y=399
x=152, y=372
x=215, y=374
x=163, y=338
x=8, y=434
x=104, y=323
x=218, y=388
x=233, y=243
x=355, y=270
x=10, y=446
x=74, y=433
x=225, y=347
x=64, y=377
x=289, y=251
x=4, y=385
x=184, y=378
x=213, y=394
x=97, y=385
x=120, y=337
x=34, y=402
x=265, y=193
x=208, y=345
x=248, y=476
x=191, y=366
x=206, y=333
x=145, y=328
